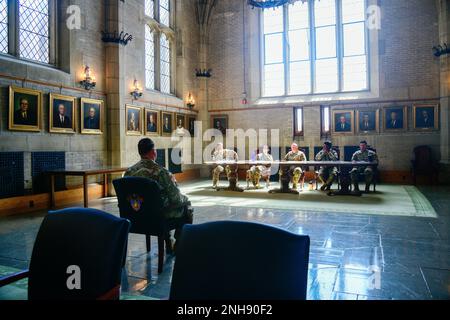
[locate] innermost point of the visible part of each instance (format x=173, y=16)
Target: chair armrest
x=7, y=280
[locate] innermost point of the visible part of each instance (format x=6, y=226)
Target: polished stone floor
x=353, y=256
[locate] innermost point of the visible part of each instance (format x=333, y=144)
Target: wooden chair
x=88, y=240
x=231, y=260
x=424, y=164
x=140, y=202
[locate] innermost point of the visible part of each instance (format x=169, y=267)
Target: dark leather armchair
x=424, y=164
x=140, y=202
x=89, y=240
x=240, y=261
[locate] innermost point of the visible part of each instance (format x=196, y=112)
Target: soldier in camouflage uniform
x=296, y=172
x=256, y=172
x=327, y=174
x=363, y=155
x=221, y=154
x=177, y=205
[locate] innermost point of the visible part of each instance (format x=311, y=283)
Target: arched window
x=158, y=51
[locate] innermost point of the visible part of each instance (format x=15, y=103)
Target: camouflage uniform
x=296, y=172
x=171, y=195
x=224, y=155
x=327, y=174
x=256, y=172
x=366, y=156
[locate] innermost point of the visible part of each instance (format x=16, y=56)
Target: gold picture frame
x=368, y=121
x=152, y=129
x=220, y=122
x=25, y=109
x=399, y=123
x=426, y=117
x=167, y=123
x=62, y=114
x=92, y=113
x=343, y=122
x=133, y=120
x=180, y=127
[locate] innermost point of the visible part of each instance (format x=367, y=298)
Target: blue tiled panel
x=161, y=158
x=173, y=167
x=11, y=174
x=44, y=161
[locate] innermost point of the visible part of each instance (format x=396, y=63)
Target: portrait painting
x=426, y=117
x=395, y=118
x=220, y=122
x=181, y=123
x=151, y=122
x=25, y=107
x=62, y=114
x=133, y=120
x=368, y=121
x=91, y=116
x=191, y=125
x=167, y=123
x=343, y=121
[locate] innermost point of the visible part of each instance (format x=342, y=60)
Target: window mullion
x=286, y=48
x=340, y=45
x=157, y=56
x=313, y=46
x=13, y=27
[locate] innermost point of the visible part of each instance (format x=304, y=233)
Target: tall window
x=158, y=53
x=3, y=26
x=315, y=47
x=165, y=64
x=149, y=58
x=27, y=33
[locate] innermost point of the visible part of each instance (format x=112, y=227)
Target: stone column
x=444, y=37
x=115, y=79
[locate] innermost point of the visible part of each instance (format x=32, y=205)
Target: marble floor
x=354, y=256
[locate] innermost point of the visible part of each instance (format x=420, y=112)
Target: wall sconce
x=137, y=92
x=190, y=101
x=89, y=80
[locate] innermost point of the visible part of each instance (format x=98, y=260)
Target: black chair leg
x=161, y=254
x=148, y=243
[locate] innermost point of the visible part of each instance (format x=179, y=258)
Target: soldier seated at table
x=327, y=174
x=256, y=172
x=295, y=172
x=178, y=206
x=363, y=155
x=221, y=154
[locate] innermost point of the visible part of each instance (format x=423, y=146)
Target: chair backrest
x=78, y=244
x=240, y=261
x=423, y=157
x=140, y=202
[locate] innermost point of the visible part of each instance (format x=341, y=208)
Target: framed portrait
x=133, y=118
x=167, y=123
x=25, y=107
x=180, y=121
x=368, y=121
x=152, y=118
x=343, y=121
x=191, y=125
x=220, y=122
x=62, y=114
x=92, y=113
x=395, y=118
x=426, y=117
